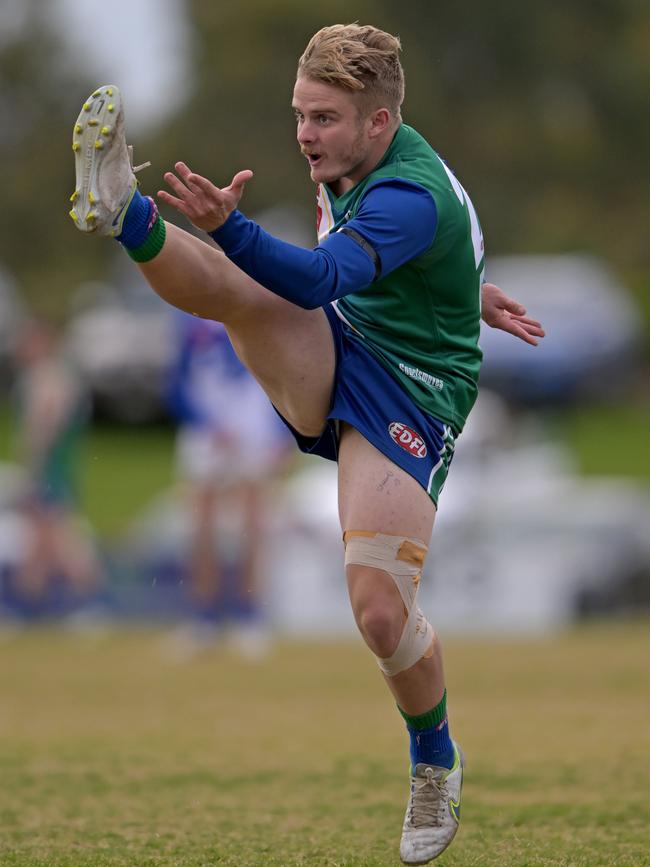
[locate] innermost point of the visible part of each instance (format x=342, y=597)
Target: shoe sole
x=92, y=137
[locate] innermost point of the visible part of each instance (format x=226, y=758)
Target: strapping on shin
x=402, y=558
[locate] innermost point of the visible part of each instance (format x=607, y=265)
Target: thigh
x=378, y=496
x=289, y=350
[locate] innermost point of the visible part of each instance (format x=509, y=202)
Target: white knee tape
x=402, y=559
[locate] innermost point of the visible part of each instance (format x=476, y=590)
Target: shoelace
x=136, y=169
x=427, y=800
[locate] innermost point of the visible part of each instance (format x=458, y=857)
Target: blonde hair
x=359, y=58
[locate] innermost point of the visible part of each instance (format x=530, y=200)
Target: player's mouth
x=314, y=159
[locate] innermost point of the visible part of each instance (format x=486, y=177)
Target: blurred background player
x=60, y=572
x=230, y=447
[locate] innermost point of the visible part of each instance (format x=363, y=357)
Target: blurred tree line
x=543, y=110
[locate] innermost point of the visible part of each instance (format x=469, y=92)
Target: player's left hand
x=499, y=311
x=206, y=206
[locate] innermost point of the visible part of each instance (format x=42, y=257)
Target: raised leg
x=289, y=350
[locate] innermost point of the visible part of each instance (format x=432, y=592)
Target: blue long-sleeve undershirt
x=397, y=218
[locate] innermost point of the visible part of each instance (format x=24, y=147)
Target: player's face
x=333, y=136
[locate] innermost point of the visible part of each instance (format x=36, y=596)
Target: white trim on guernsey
x=335, y=305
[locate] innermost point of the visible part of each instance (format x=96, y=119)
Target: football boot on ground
x=433, y=811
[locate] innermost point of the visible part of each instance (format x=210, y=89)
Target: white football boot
x=106, y=180
x=433, y=811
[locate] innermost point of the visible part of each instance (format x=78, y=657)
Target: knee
x=381, y=624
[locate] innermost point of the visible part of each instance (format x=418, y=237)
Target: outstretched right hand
x=207, y=207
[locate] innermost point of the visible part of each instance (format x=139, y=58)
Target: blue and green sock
x=143, y=229
x=429, y=733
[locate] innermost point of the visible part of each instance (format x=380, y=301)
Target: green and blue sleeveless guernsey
x=401, y=254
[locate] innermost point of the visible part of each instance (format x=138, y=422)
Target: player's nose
x=305, y=133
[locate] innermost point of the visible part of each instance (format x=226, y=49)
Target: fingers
x=181, y=190
x=513, y=327
x=525, y=329
x=523, y=335
x=196, y=183
x=497, y=297
x=239, y=182
x=241, y=178
x=532, y=326
x=525, y=320
x=526, y=335
x=188, y=183
x=168, y=199
x=499, y=311
x=513, y=307
x=187, y=187
x=516, y=312
x=183, y=170
x=205, y=205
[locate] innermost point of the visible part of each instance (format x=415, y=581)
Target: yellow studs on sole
x=73, y=216
x=99, y=144
x=76, y=145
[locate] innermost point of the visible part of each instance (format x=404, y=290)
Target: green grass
x=111, y=755
x=123, y=470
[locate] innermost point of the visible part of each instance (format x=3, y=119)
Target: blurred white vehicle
x=120, y=340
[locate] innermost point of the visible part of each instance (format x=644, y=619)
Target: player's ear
x=380, y=120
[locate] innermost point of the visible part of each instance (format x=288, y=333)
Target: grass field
x=110, y=754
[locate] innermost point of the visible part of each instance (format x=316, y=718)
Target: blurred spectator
x=59, y=571
x=231, y=446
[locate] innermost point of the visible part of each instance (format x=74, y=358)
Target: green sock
x=429, y=719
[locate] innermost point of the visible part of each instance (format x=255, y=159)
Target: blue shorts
x=367, y=397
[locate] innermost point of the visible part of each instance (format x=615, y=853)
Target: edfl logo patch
x=407, y=439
